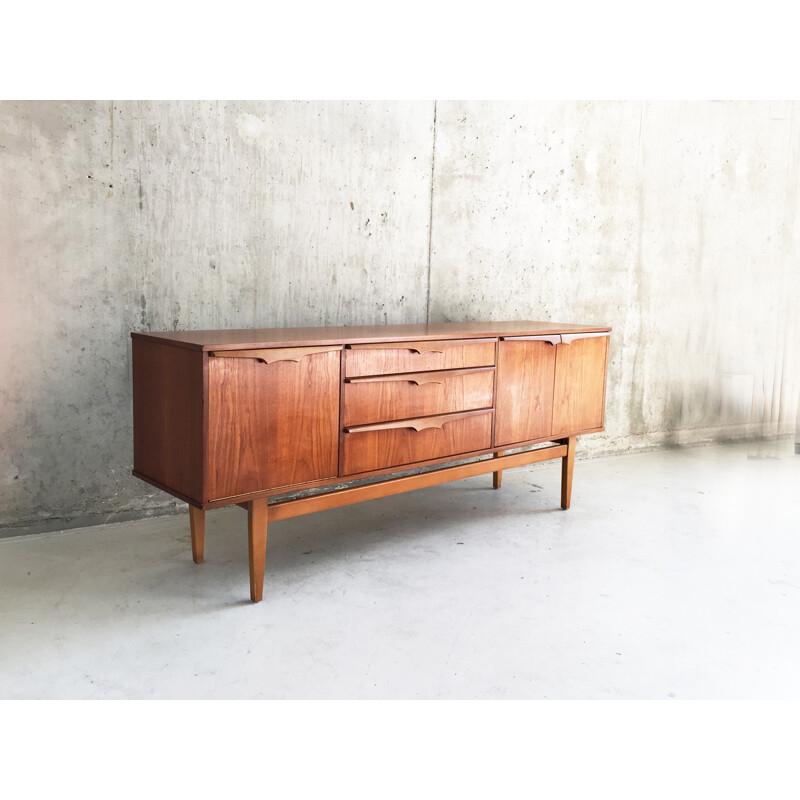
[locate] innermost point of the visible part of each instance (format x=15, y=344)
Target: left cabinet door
x=273, y=419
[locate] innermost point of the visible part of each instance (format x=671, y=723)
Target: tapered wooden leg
x=497, y=477
x=567, y=462
x=197, y=522
x=257, y=515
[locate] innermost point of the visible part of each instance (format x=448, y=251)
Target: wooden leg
x=197, y=522
x=567, y=462
x=497, y=477
x=257, y=515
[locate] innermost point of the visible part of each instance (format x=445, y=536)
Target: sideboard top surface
x=290, y=337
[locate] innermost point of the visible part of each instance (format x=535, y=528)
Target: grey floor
x=676, y=574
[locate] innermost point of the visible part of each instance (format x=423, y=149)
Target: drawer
x=386, y=358
x=417, y=394
x=391, y=444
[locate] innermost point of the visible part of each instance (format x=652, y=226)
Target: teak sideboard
x=244, y=416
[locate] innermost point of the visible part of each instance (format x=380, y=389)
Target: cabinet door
x=273, y=419
x=525, y=376
x=580, y=385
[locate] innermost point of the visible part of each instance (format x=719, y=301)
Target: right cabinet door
x=580, y=383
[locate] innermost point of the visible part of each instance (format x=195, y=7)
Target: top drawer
x=388, y=358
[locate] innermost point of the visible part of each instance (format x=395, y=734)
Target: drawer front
x=397, y=444
x=416, y=394
x=386, y=358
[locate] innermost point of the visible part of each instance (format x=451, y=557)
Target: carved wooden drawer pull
x=419, y=347
x=568, y=338
x=270, y=355
x=555, y=338
x=416, y=347
x=549, y=338
x=419, y=424
x=419, y=378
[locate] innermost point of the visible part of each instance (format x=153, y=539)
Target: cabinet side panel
x=580, y=385
x=525, y=376
x=168, y=416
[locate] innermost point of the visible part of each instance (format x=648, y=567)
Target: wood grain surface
x=395, y=357
x=272, y=424
x=525, y=380
x=299, y=337
x=168, y=416
x=197, y=525
x=580, y=381
x=417, y=395
x=567, y=468
x=273, y=354
x=376, y=449
x=257, y=522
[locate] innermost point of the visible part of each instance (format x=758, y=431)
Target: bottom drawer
x=393, y=444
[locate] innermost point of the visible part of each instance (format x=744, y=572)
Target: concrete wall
x=676, y=223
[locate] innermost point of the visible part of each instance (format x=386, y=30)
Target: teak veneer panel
x=580, y=385
x=168, y=416
x=416, y=395
x=525, y=380
x=371, y=449
x=301, y=337
x=272, y=425
x=384, y=358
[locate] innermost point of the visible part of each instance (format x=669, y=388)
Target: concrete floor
x=676, y=574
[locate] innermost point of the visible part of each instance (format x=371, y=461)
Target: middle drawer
x=417, y=394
